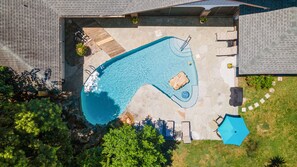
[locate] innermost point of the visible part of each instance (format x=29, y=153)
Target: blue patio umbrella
x=233, y=130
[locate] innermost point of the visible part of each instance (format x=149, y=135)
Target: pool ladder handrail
x=184, y=45
x=92, y=67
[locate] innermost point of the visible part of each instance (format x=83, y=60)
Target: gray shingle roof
x=30, y=31
x=267, y=42
x=109, y=7
x=212, y=3
x=29, y=36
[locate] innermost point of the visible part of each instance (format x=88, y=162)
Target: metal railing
x=185, y=44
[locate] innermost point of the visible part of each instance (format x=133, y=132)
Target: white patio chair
x=229, y=51
x=226, y=36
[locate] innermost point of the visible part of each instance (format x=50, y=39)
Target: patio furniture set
x=231, y=129
x=168, y=129
x=231, y=38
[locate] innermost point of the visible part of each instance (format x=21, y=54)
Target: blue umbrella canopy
x=233, y=130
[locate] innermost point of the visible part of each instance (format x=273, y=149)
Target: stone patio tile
x=280, y=79
x=243, y=109
x=273, y=83
x=256, y=105
x=267, y=95
x=262, y=101
x=251, y=108
x=271, y=90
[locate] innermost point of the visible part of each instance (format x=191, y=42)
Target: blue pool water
x=119, y=78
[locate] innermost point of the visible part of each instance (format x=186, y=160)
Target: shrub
x=260, y=81
x=203, y=20
x=81, y=49
x=276, y=161
x=135, y=20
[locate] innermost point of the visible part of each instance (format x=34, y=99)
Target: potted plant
x=81, y=49
x=229, y=65
x=135, y=20
x=203, y=20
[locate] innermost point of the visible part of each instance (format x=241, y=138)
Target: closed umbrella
x=233, y=130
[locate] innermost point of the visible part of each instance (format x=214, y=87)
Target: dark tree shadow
x=164, y=129
x=168, y=147
x=177, y=21
x=99, y=108
x=73, y=62
x=26, y=85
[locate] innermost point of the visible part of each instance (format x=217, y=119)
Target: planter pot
x=229, y=65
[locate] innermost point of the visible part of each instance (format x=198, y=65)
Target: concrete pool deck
x=214, y=79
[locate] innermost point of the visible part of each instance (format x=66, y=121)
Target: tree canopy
x=130, y=147
x=33, y=134
x=6, y=89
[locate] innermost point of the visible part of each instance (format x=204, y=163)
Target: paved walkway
x=262, y=100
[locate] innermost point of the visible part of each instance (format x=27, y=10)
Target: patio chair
x=227, y=36
x=186, y=132
x=229, y=51
x=218, y=120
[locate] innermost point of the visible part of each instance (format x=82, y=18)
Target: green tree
x=90, y=157
x=6, y=89
x=33, y=133
x=128, y=147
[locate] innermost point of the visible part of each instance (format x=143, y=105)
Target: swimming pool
x=110, y=88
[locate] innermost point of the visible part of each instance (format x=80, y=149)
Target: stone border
x=266, y=96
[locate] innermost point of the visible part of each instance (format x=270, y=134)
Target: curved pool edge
x=191, y=102
x=175, y=97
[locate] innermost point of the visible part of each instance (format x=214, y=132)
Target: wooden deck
x=101, y=38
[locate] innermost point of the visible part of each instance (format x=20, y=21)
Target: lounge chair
x=179, y=80
x=229, y=51
x=186, y=132
x=227, y=36
x=169, y=131
x=160, y=126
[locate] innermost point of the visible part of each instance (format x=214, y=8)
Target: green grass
x=273, y=126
